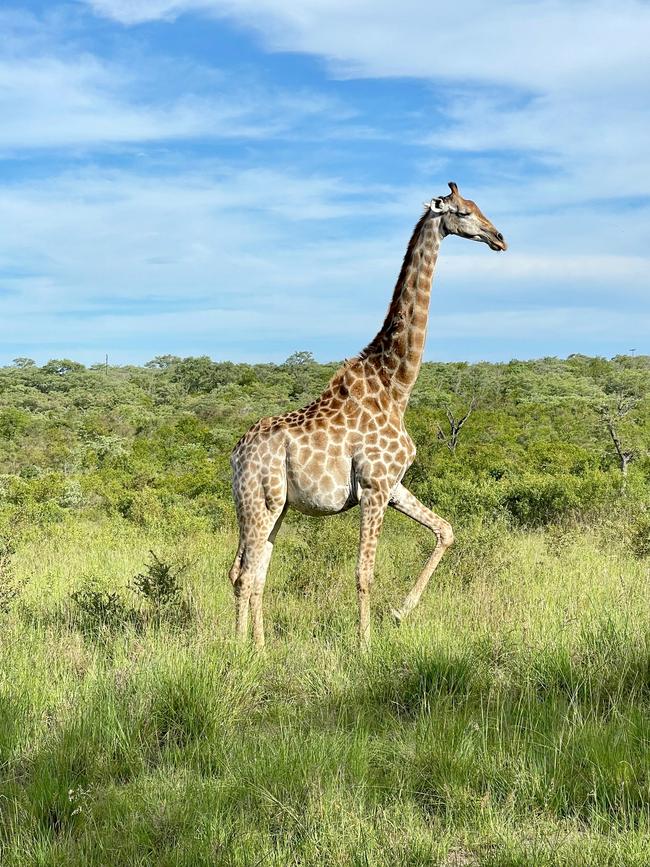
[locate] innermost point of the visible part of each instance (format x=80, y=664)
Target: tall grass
x=505, y=724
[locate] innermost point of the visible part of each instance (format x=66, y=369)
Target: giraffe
x=350, y=447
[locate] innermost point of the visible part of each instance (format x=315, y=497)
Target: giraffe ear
x=447, y=205
x=438, y=206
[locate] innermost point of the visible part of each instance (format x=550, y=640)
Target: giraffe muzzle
x=498, y=242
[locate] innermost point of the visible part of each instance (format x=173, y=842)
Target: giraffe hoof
x=396, y=615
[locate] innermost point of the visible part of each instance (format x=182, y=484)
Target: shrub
x=97, y=612
x=13, y=422
x=159, y=585
x=640, y=536
x=142, y=507
x=8, y=589
x=535, y=500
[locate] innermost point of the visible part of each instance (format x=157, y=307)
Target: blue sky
x=240, y=179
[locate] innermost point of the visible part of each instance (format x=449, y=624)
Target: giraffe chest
x=384, y=457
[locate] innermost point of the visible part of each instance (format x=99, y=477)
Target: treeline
x=530, y=442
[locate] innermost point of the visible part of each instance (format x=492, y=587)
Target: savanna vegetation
x=506, y=723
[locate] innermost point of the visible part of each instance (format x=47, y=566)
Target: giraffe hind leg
x=257, y=591
x=243, y=575
x=260, y=492
x=248, y=573
x=241, y=604
x=404, y=501
x=235, y=569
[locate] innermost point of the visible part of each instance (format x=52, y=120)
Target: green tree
x=162, y=362
x=62, y=366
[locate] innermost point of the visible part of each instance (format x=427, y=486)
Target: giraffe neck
x=396, y=352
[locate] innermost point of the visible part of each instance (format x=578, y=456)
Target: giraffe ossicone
x=350, y=447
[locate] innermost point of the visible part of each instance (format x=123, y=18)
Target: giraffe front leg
x=373, y=507
x=404, y=501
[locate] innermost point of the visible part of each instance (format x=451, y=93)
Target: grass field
x=505, y=724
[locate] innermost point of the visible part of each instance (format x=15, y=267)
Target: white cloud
x=182, y=255
x=54, y=95
x=98, y=233
x=562, y=80
x=129, y=12
x=535, y=44
x=48, y=102
x=603, y=269
x=566, y=323
x=220, y=259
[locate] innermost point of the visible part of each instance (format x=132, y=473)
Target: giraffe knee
x=235, y=569
x=446, y=534
x=242, y=584
x=364, y=580
x=257, y=591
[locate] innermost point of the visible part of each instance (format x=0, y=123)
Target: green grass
x=507, y=723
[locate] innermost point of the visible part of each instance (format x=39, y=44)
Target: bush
x=13, y=423
x=159, y=585
x=537, y=500
x=142, y=507
x=99, y=612
x=8, y=589
x=640, y=536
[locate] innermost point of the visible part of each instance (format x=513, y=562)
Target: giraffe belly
x=325, y=491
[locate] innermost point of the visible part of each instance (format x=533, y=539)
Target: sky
x=240, y=179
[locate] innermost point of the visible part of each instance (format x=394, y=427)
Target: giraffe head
x=463, y=217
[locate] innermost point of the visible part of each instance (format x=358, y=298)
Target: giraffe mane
x=389, y=320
